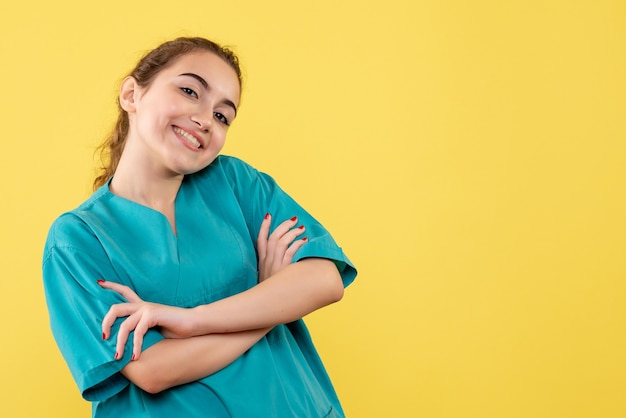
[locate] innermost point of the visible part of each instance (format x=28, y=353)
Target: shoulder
x=69, y=230
x=233, y=165
x=230, y=169
x=74, y=229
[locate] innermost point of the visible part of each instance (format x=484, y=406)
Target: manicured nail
x=133, y=357
x=116, y=355
x=100, y=281
x=294, y=218
x=301, y=227
x=104, y=336
x=267, y=215
x=305, y=239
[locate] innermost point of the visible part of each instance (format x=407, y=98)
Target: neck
x=143, y=183
x=149, y=188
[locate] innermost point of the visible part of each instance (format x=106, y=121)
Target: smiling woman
x=177, y=126
x=179, y=286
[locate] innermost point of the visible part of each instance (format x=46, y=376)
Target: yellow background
x=468, y=155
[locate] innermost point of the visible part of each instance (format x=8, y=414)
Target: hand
x=174, y=322
x=277, y=251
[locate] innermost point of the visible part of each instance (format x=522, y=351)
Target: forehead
x=218, y=74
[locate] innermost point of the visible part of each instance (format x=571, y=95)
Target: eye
x=222, y=118
x=189, y=92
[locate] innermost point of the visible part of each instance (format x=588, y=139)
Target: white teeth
x=188, y=137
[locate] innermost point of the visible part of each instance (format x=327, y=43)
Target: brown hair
x=147, y=68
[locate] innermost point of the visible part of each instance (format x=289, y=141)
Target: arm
x=286, y=291
x=283, y=298
x=173, y=362
x=179, y=360
x=286, y=296
x=290, y=292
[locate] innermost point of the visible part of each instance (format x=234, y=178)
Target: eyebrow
x=206, y=86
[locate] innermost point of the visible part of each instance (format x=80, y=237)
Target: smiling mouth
x=187, y=137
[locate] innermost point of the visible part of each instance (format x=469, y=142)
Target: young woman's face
x=180, y=120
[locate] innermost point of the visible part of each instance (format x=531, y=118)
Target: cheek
x=167, y=110
x=172, y=108
x=158, y=113
x=166, y=106
x=218, y=140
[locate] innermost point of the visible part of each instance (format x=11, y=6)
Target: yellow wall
x=469, y=156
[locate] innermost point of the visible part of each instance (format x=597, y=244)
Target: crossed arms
x=202, y=340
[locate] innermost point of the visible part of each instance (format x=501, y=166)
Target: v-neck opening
x=174, y=231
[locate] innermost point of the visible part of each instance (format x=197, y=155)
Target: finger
x=285, y=241
x=292, y=234
x=286, y=250
x=116, y=311
x=140, y=330
x=126, y=292
x=279, y=232
x=263, y=234
x=126, y=327
x=284, y=227
x=292, y=250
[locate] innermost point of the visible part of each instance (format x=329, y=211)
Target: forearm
x=290, y=294
x=173, y=362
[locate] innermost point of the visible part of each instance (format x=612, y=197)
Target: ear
x=129, y=91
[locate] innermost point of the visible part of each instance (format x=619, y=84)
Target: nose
x=204, y=120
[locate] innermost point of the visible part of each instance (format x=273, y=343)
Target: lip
x=185, y=142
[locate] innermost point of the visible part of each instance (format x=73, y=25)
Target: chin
x=187, y=169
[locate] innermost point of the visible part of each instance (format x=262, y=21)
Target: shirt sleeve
x=259, y=194
x=73, y=262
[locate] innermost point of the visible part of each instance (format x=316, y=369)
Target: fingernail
x=116, y=355
x=104, y=336
x=294, y=218
x=267, y=215
x=133, y=357
x=305, y=239
x=100, y=281
x=301, y=227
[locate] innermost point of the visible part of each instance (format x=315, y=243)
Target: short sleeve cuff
x=105, y=381
x=321, y=249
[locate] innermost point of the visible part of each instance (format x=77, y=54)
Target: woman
x=167, y=293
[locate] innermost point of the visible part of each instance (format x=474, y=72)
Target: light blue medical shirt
x=218, y=215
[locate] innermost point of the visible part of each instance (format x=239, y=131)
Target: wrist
x=199, y=321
